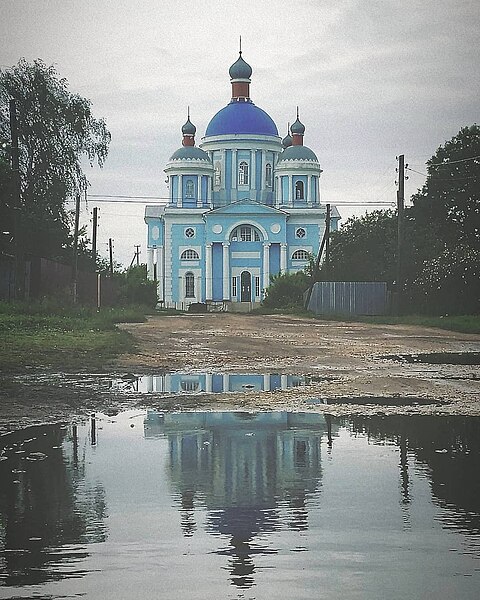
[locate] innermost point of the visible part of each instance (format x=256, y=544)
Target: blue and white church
x=243, y=206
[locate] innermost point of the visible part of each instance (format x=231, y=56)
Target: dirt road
x=347, y=361
x=346, y=365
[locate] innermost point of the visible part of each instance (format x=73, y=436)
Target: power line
x=442, y=178
x=453, y=162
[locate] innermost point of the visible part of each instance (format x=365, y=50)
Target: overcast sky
x=372, y=78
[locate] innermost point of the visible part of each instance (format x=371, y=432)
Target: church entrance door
x=245, y=287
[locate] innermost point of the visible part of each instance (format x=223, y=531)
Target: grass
x=53, y=336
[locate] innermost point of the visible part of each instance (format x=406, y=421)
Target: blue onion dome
x=298, y=153
x=298, y=127
x=190, y=153
x=241, y=118
x=287, y=140
x=189, y=128
x=240, y=69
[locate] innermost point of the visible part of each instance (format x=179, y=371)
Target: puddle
x=241, y=505
x=375, y=400
x=438, y=358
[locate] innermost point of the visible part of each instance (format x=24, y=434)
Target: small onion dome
x=287, y=140
x=298, y=153
x=240, y=69
x=298, y=127
x=189, y=128
x=190, y=153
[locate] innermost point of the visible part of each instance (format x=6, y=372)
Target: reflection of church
x=247, y=469
x=243, y=206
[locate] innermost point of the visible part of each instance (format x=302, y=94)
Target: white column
x=266, y=265
x=208, y=382
x=180, y=191
x=253, y=160
x=309, y=197
x=209, y=191
x=234, y=170
x=226, y=382
x=208, y=271
x=150, y=263
x=160, y=273
x=226, y=271
x=283, y=382
x=266, y=383
x=290, y=190
x=283, y=258
x=198, y=288
x=199, y=191
x=264, y=164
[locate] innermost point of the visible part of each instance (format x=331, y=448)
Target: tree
x=364, y=249
x=446, y=221
x=56, y=130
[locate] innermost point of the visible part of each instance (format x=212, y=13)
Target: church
x=243, y=206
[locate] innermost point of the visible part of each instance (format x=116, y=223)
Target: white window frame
x=268, y=175
x=189, y=254
x=189, y=283
x=243, y=173
x=189, y=189
x=305, y=255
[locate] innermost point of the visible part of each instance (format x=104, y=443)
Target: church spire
x=188, y=131
x=240, y=73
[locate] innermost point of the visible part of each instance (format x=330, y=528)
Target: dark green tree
x=363, y=249
x=56, y=131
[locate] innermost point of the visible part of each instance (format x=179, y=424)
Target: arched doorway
x=245, y=287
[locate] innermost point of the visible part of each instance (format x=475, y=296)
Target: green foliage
x=136, y=288
x=363, y=249
x=56, y=129
x=286, y=291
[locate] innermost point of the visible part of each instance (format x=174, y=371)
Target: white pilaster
x=283, y=258
x=150, y=263
x=160, y=273
x=263, y=182
x=226, y=270
x=209, y=192
x=234, y=170
x=291, y=193
x=208, y=382
x=208, y=271
x=226, y=382
x=309, y=197
x=253, y=160
x=266, y=265
x=266, y=383
x=283, y=382
x=180, y=191
x=199, y=191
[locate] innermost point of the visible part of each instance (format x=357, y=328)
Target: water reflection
x=211, y=383
x=245, y=468
x=45, y=505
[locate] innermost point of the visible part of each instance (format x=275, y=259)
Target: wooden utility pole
x=137, y=253
x=75, y=249
x=110, y=249
x=17, y=206
x=94, y=237
x=400, y=216
x=327, y=239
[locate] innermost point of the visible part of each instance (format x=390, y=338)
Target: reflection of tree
x=45, y=504
x=245, y=470
x=449, y=446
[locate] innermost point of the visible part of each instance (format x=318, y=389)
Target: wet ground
x=229, y=361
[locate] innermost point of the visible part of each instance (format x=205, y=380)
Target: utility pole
x=17, y=205
x=94, y=237
x=400, y=216
x=327, y=239
x=110, y=248
x=137, y=253
x=75, y=249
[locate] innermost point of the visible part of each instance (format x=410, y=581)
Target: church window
x=300, y=232
x=189, y=285
x=189, y=232
x=217, y=178
x=234, y=287
x=245, y=233
x=243, y=173
x=300, y=255
x=268, y=175
x=189, y=189
x=257, y=286
x=299, y=190
x=189, y=255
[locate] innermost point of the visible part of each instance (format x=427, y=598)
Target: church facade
x=242, y=207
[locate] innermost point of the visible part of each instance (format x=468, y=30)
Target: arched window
x=189, y=189
x=189, y=255
x=268, y=175
x=243, y=173
x=245, y=233
x=217, y=178
x=189, y=285
x=299, y=190
x=300, y=255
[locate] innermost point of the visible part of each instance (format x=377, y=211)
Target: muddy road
x=351, y=368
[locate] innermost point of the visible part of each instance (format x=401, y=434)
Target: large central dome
x=241, y=118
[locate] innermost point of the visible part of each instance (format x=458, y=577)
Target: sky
x=372, y=79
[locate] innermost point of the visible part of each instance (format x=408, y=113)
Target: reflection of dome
x=240, y=69
x=243, y=118
x=298, y=153
x=190, y=153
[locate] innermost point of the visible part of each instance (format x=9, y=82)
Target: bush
x=286, y=291
x=135, y=288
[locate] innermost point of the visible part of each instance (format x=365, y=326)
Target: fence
x=49, y=278
x=349, y=298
